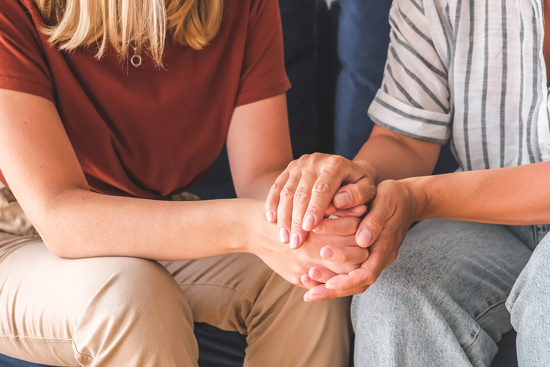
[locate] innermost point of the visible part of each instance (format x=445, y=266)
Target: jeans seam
x=82, y=355
x=489, y=309
x=49, y=339
x=480, y=316
x=45, y=338
x=474, y=340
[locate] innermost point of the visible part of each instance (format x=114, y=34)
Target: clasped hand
x=316, y=186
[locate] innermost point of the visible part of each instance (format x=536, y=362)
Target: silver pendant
x=136, y=60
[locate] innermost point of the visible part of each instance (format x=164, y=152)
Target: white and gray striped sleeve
x=414, y=98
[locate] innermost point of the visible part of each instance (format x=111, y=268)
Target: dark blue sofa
x=325, y=51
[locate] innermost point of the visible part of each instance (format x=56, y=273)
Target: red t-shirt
x=147, y=132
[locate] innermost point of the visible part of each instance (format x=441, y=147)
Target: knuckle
x=370, y=279
x=301, y=195
x=296, y=222
x=316, y=156
x=392, y=257
x=303, y=161
x=287, y=193
x=376, y=222
x=274, y=188
x=314, y=208
x=336, y=160
x=339, y=256
x=322, y=188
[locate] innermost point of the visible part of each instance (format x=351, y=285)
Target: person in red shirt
x=109, y=112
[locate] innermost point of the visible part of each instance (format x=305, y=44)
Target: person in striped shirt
x=474, y=73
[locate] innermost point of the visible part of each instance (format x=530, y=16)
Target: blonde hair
x=124, y=24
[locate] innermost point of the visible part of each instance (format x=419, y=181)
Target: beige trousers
x=130, y=312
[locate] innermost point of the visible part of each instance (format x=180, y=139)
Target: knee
x=415, y=283
x=130, y=287
x=529, y=300
x=133, y=305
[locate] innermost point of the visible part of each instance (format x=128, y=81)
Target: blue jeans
x=448, y=297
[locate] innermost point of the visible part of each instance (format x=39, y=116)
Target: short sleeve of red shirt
x=22, y=65
x=263, y=75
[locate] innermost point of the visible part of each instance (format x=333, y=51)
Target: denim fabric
x=363, y=38
x=444, y=298
x=529, y=305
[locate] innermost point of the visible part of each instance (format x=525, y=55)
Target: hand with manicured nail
x=313, y=187
x=391, y=213
x=332, y=247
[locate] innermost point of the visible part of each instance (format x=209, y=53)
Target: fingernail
x=294, y=240
x=364, y=237
x=309, y=221
x=315, y=274
x=270, y=216
x=327, y=253
x=333, y=286
x=342, y=199
x=283, y=235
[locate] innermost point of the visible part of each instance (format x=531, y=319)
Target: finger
x=345, y=255
x=331, y=210
x=352, y=280
x=273, y=198
x=334, y=240
x=308, y=282
x=371, y=226
x=320, y=274
x=338, y=226
x=356, y=211
x=321, y=293
x=302, y=196
x=360, y=192
x=284, y=211
x=366, y=275
x=321, y=196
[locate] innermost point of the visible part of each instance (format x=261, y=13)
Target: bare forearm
x=388, y=155
x=515, y=196
x=85, y=224
x=259, y=187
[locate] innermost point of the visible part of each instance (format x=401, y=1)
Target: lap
x=474, y=264
x=46, y=298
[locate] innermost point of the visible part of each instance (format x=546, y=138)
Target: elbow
x=55, y=241
x=59, y=229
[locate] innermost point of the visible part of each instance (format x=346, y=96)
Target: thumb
x=370, y=227
x=352, y=195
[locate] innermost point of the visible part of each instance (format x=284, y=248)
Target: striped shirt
x=471, y=71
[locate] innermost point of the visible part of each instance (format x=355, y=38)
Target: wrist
x=369, y=169
x=417, y=188
x=252, y=228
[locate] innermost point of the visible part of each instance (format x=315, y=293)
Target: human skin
x=44, y=174
x=513, y=196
